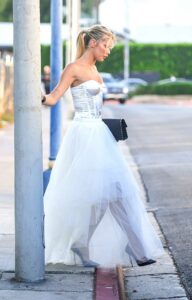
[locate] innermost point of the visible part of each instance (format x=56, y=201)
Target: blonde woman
x=93, y=212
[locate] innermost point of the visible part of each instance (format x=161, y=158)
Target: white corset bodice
x=87, y=100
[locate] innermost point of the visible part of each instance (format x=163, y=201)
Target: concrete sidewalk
x=158, y=281
x=62, y=282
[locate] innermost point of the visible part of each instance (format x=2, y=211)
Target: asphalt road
x=160, y=140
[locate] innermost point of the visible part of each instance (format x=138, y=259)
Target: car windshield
x=108, y=79
x=132, y=81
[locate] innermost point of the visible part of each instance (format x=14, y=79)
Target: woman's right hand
x=43, y=98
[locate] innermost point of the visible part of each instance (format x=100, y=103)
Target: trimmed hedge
x=45, y=56
x=174, y=88
x=167, y=59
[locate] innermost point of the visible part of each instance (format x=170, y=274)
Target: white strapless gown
x=92, y=200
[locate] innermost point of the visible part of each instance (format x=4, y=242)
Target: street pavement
x=158, y=281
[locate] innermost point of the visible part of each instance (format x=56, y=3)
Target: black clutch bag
x=118, y=128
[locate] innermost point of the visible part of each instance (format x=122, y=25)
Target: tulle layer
x=93, y=203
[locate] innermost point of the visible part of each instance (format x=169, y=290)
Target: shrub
x=167, y=59
x=45, y=55
x=173, y=88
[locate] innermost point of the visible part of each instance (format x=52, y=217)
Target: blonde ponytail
x=80, y=44
x=96, y=32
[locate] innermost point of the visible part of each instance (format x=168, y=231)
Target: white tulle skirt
x=93, y=202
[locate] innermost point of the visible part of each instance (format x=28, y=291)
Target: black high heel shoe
x=140, y=263
x=86, y=262
x=145, y=262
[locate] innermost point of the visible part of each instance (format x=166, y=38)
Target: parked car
x=133, y=83
x=107, y=77
x=113, y=89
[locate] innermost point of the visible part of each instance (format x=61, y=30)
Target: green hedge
x=45, y=56
x=166, y=59
x=174, y=88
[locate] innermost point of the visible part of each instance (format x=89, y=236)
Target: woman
x=93, y=211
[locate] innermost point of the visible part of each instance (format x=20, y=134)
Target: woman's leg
x=97, y=213
x=135, y=243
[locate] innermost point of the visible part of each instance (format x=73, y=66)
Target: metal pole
x=126, y=58
x=73, y=22
x=73, y=16
x=69, y=23
x=29, y=249
x=76, y=8
x=56, y=67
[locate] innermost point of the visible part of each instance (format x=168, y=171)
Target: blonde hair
x=96, y=32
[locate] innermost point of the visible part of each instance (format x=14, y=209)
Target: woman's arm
x=66, y=79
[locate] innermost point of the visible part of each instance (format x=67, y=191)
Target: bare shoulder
x=69, y=73
x=71, y=67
